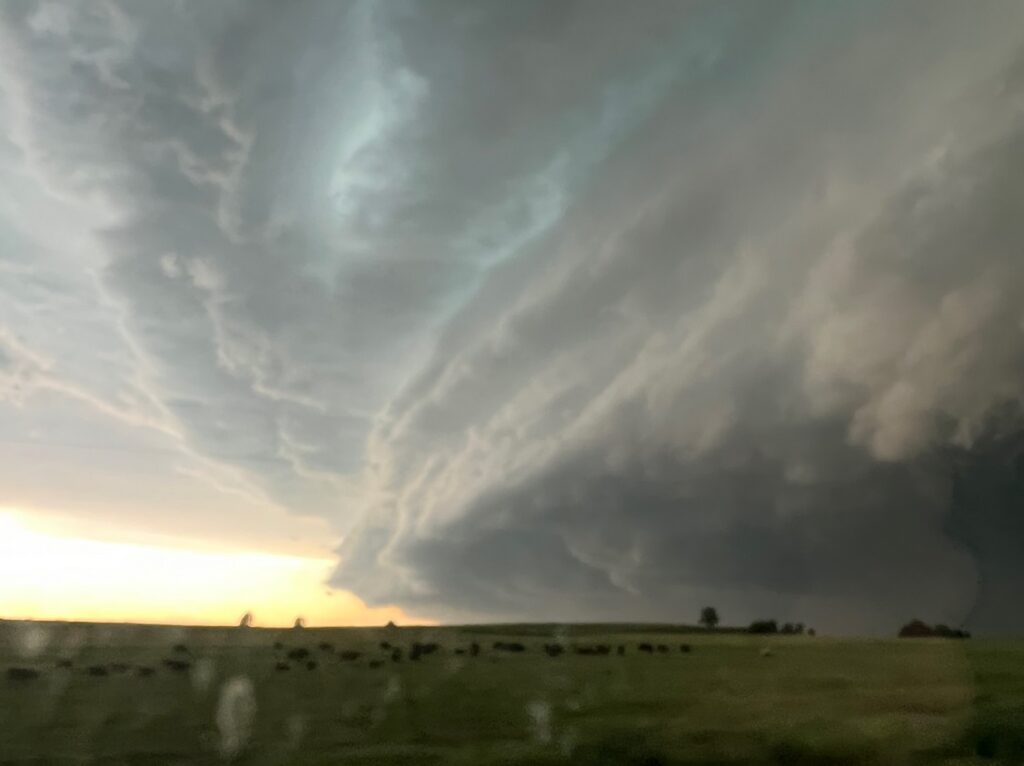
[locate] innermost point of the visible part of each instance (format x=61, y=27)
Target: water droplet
x=202, y=674
x=235, y=713
x=296, y=729
x=540, y=718
x=30, y=639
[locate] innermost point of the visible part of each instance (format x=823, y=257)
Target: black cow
x=599, y=650
x=419, y=650
x=509, y=646
x=646, y=648
x=350, y=655
x=96, y=670
x=282, y=666
x=22, y=674
x=554, y=650
x=178, y=666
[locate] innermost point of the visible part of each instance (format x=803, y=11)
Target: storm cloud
x=551, y=310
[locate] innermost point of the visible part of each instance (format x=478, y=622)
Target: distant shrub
x=944, y=631
x=179, y=666
x=298, y=653
x=919, y=629
x=763, y=627
x=350, y=655
x=282, y=666
x=646, y=648
x=325, y=646
x=685, y=648
x=96, y=671
x=915, y=629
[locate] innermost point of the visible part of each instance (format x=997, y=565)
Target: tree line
x=710, y=620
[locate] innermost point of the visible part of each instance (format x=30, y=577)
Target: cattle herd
x=299, y=657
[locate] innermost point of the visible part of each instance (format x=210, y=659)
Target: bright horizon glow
x=48, y=576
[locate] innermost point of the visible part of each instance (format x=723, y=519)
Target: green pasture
x=806, y=700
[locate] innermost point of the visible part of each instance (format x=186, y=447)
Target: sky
x=476, y=310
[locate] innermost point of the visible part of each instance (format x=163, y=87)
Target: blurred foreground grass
x=813, y=701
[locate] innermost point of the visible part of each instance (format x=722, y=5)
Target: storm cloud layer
x=552, y=310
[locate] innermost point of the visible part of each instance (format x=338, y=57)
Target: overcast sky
x=529, y=310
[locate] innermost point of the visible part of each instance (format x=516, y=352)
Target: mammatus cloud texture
x=553, y=310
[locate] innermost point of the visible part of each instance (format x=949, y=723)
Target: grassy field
x=813, y=701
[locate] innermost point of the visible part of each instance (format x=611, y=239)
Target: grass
x=815, y=701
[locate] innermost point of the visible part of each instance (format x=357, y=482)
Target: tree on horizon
x=709, y=617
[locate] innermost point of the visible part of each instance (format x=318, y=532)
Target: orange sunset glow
x=49, y=576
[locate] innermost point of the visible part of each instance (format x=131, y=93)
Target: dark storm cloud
x=740, y=384
x=555, y=310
